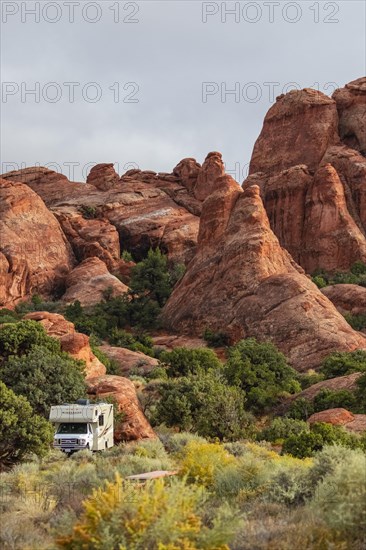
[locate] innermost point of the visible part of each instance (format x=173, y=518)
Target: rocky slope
x=309, y=162
x=35, y=255
x=243, y=283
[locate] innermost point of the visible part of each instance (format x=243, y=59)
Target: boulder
x=128, y=360
x=72, y=342
x=91, y=238
x=351, y=105
x=241, y=282
x=336, y=417
x=341, y=417
x=89, y=282
x=134, y=425
x=347, y=298
x=35, y=256
x=168, y=342
x=187, y=171
x=103, y=176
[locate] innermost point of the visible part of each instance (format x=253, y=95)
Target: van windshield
x=73, y=428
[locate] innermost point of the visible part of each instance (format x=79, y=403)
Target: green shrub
x=8, y=316
x=307, y=443
x=20, y=338
x=44, y=377
x=281, y=428
x=358, y=268
x=310, y=378
x=262, y=372
x=300, y=409
x=319, y=281
x=215, y=339
x=183, y=361
x=340, y=496
x=175, y=442
x=135, y=342
x=360, y=394
x=151, y=277
x=357, y=322
x=342, y=363
x=21, y=431
x=204, y=404
x=331, y=399
x=126, y=256
x=88, y=212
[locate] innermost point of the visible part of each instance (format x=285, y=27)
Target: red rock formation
x=103, y=177
x=347, y=298
x=321, y=221
x=187, y=171
x=88, y=282
x=212, y=169
x=134, y=424
x=91, y=238
x=284, y=196
x=35, y=256
x=128, y=360
x=351, y=105
x=72, y=342
x=331, y=238
x=337, y=417
x=298, y=129
x=341, y=417
x=146, y=208
x=351, y=168
x=242, y=283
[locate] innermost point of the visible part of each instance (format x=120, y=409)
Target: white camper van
x=82, y=425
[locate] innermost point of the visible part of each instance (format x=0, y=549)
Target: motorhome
x=82, y=425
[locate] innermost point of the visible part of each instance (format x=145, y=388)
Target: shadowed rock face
x=134, y=424
x=34, y=253
x=308, y=162
x=243, y=283
x=351, y=105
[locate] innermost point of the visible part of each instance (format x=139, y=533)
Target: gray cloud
x=169, y=54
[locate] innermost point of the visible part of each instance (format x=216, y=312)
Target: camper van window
x=73, y=428
x=101, y=420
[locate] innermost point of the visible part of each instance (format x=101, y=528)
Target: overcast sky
x=150, y=76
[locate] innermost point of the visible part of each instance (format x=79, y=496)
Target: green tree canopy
x=151, y=277
x=183, y=361
x=19, y=338
x=342, y=363
x=262, y=372
x=21, y=431
x=204, y=404
x=44, y=377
